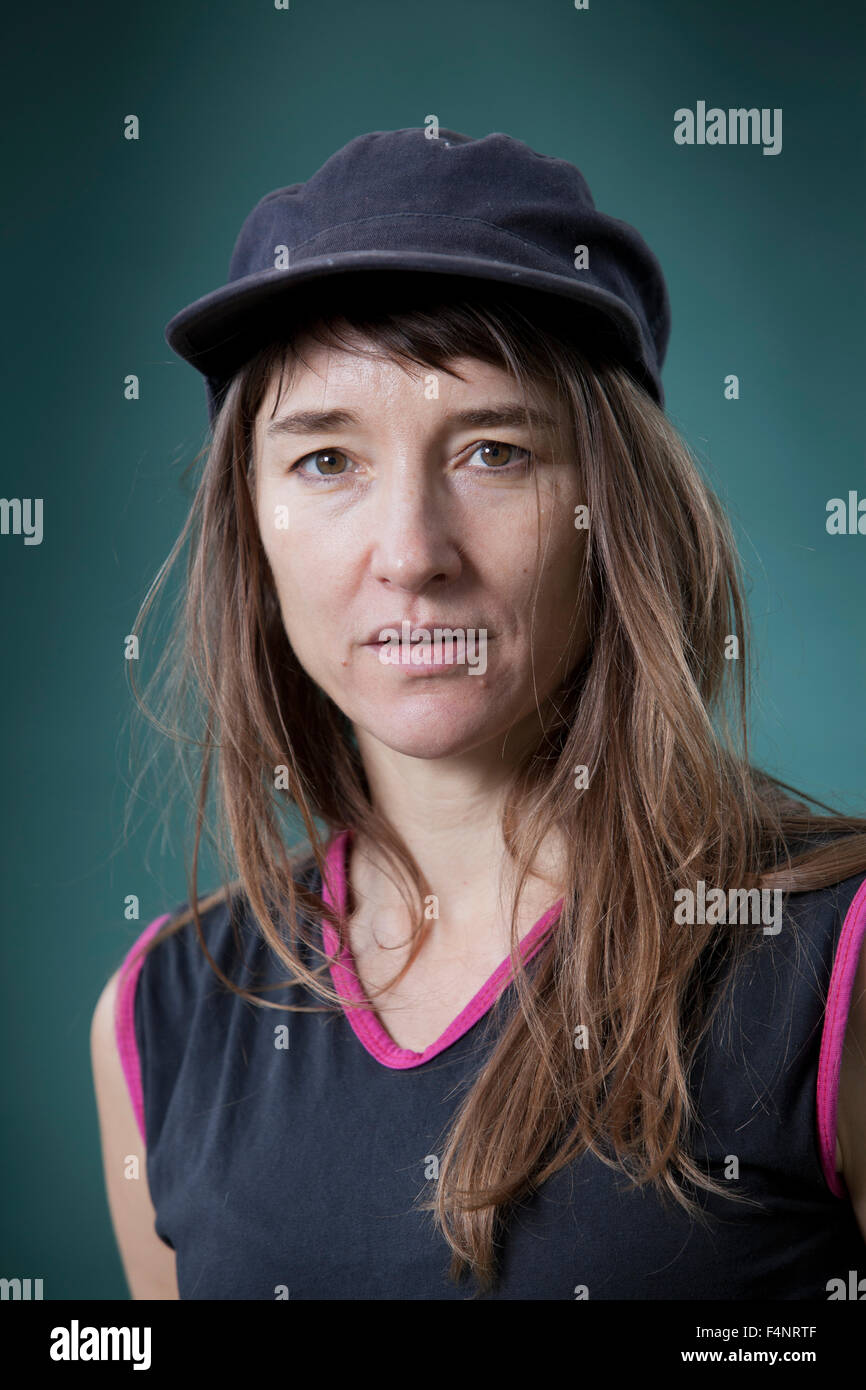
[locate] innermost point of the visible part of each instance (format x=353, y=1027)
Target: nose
x=415, y=543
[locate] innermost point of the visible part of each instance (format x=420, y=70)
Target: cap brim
x=218, y=332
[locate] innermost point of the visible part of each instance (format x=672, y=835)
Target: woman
x=551, y=1000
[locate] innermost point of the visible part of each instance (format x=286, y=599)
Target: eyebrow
x=506, y=416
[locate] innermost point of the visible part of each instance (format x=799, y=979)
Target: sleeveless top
x=285, y=1150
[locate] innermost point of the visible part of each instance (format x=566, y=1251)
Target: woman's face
x=411, y=503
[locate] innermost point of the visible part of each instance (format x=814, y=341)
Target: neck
x=448, y=811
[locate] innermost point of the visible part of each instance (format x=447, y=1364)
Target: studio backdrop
x=138, y=138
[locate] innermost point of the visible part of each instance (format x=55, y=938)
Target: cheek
x=307, y=580
x=564, y=560
x=275, y=533
x=559, y=627
x=286, y=552
x=548, y=551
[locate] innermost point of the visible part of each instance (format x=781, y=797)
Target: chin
x=432, y=728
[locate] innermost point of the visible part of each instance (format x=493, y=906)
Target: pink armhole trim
x=124, y=1018
x=365, y=1022
x=833, y=1036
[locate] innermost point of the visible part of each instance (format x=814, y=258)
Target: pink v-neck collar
x=365, y=1022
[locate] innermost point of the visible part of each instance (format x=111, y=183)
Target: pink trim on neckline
x=365, y=1022
x=833, y=1035
x=124, y=1018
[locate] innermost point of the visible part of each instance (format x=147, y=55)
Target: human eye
x=500, y=458
x=330, y=456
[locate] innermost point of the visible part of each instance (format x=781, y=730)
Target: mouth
x=428, y=651
x=405, y=627
x=432, y=654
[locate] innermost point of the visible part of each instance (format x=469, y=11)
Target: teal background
x=105, y=239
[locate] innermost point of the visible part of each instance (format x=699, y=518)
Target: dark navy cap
x=396, y=200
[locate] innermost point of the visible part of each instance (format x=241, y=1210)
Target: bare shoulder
x=149, y=1264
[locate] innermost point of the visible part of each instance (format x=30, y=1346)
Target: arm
x=149, y=1264
x=851, y=1115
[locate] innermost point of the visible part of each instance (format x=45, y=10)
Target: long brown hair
x=655, y=711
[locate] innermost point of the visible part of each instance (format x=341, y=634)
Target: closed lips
x=375, y=638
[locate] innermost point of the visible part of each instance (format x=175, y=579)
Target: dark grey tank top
x=285, y=1150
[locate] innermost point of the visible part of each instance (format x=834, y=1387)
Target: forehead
x=319, y=373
